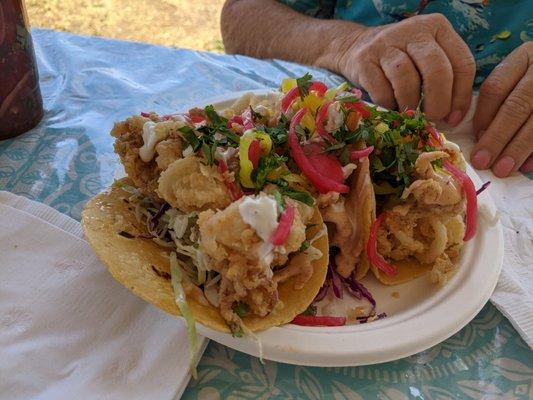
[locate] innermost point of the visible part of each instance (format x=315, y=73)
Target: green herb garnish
x=302, y=197
x=344, y=157
x=396, y=149
x=347, y=98
x=218, y=124
x=280, y=202
x=214, y=117
x=304, y=83
x=278, y=133
x=305, y=245
x=236, y=330
x=266, y=165
x=209, y=152
x=286, y=190
x=333, y=147
x=190, y=137
x=311, y=310
x=241, y=309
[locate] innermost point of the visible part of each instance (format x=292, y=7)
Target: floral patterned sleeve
x=491, y=28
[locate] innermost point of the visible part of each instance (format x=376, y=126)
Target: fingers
x=376, y=84
x=422, y=51
x=403, y=77
x=497, y=87
x=508, y=141
x=437, y=77
x=516, y=153
x=527, y=167
x=463, y=68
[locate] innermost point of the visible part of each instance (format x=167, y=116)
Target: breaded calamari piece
x=129, y=140
x=189, y=185
x=237, y=253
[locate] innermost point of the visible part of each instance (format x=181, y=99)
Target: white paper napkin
x=513, y=197
x=67, y=329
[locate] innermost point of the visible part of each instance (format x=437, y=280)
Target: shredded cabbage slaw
x=176, y=278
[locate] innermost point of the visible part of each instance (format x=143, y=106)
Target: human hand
x=503, y=122
x=395, y=63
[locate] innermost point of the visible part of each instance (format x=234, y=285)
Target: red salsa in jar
x=21, y=106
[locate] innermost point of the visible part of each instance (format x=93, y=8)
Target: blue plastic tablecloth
x=88, y=83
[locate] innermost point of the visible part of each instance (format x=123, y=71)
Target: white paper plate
x=419, y=316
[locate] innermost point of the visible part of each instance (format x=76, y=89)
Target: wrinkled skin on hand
x=503, y=122
x=395, y=63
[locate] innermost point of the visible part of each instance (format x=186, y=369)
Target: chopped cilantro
x=280, y=202
x=344, y=157
x=396, y=150
x=311, y=310
x=302, y=197
x=437, y=163
x=190, y=137
x=350, y=98
x=305, y=245
x=209, y=152
x=214, y=117
x=278, y=133
x=266, y=165
x=377, y=165
x=218, y=124
x=241, y=309
x=232, y=136
x=236, y=330
x=304, y=83
x=336, y=146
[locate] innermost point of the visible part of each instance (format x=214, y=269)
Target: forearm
x=268, y=29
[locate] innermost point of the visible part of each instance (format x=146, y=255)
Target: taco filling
x=323, y=141
x=236, y=256
x=271, y=208
x=424, y=206
x=214, y=195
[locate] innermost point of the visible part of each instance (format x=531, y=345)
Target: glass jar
x=21, y=105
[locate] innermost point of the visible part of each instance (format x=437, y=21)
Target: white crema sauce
x=261, y=213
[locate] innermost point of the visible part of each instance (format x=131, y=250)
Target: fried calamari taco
x=322, y=139
x=425, y=202
x=186, y=233
x=232, y=276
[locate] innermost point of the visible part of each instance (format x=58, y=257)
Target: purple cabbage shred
x=364, y=320
x=358, y=289
x=321, y=293
x=482, y=188
x=154, y=221
x=338, y=284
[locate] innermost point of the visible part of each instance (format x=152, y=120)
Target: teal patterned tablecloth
x=88, y=83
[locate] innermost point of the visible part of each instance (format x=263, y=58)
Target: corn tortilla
x=143, y=266
x=366, y=213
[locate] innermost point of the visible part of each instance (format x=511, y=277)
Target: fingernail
x=454, y=118
x=503, y=167
x=481, y=159
x=527, y=166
